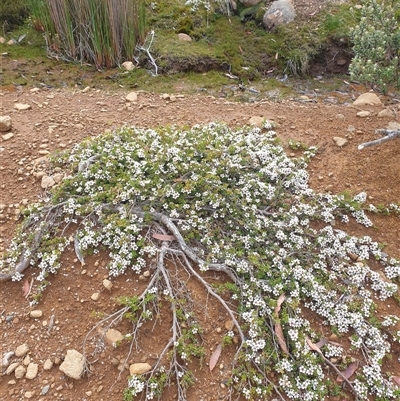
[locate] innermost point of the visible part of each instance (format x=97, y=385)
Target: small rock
x=184, y=37
x=11, y=42
x=340, y=116
x=36, y=313
x=27, y=360
x=393, y=125
x=5, y=123
x=73, y=365
x=386, y=113
x=58, y=177
x=339, y=141
x=22, y=350
x=33, y=90
x=85, y=90
x=146, y=273
x=113, y=337
x=257, y=121
x=2, y=40
x=95, y=297
x=29, y=394
x=128, y=65
x=8, y=136
x=45, y=389
x=89, y=393
x=22, y=106
x=131, y=97
x=48, y=364
x=229, y=325
x=12, y=368
x=107, y=284
x=139, y=368
x=363, y=114
x=369, y=99
x=47, y=181
x=31, y=371
x=20, y=372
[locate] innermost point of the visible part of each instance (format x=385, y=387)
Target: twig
x=388, y=135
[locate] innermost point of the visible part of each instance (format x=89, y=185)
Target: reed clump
x=101, y=32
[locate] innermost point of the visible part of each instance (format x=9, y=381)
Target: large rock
x=5, y=123
x=368, y=99
x=279, y=13
x=73, y=365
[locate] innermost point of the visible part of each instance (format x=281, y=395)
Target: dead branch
x=388, y=135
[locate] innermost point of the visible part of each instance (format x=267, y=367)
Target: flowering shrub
x=228, y=201
x=377, y=44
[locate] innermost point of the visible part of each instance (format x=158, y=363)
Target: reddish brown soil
x=60, y=118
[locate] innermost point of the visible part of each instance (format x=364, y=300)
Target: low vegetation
x=208, y=199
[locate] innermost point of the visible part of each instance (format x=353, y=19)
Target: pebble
x=29, y=394
x=95, y=296
x=45, y=389
x=363, y=113
x=36, y=313
x=339, y=141
x=113, y=337
x=22, y=106
x=22, y=350
x=139, y=368
x=131, y=97
x=107, y=284
x=5, y=123
x=12, y=368
x=8, y=136
x=48, y=364
x=31, y=371
x=20, y=372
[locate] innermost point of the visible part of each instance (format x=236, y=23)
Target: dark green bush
x=13, y=13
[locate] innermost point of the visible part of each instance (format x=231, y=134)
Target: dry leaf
x=396, y=380
x=322, y=342
x=279, y=302
x=26, y=288
x=281, y=338
x=347, y=373
x=215, y=356
x=313, y=346
x=164, y=237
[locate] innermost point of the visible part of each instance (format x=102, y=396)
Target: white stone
x=339, y=141
x=20, y=372
x=95, y=296
x=73, y=365
x=139, y=368
x=386, y=113
x=107, y=284
x=113, y=337
x=11, y=42
x=32, y=371
x=8, y=136
x=128, y=65
x=85, y=90
x=29, y=394
x=58, y=177
x=48, y=364
x=36, y=313
x=2, y=40
x=5, y=123
x=131, y=97
x=47, y=181
x=256, y=121
x=369, y=98
x=12, y=368
x=22, y=106
x=22, y=350
x=364, y=113
x=280, y=12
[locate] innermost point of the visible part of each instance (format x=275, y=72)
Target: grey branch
x=388, y=135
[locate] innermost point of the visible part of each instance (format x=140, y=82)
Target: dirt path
x=59, y=118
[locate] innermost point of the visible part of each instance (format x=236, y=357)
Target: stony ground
x=77, y=296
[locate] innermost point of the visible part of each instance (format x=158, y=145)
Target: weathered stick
x=388, y=135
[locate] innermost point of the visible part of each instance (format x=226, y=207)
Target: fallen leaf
x=215, y=356
x=281, y=339
x=164, y=237
x=313, y=346
x=396, y=380
x=347, y=373
x=322, y=342
x=26, y=288
x=279, y=302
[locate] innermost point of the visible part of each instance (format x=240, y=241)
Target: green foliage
x=102, y=32
x=377, y=45
x=13, y=13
